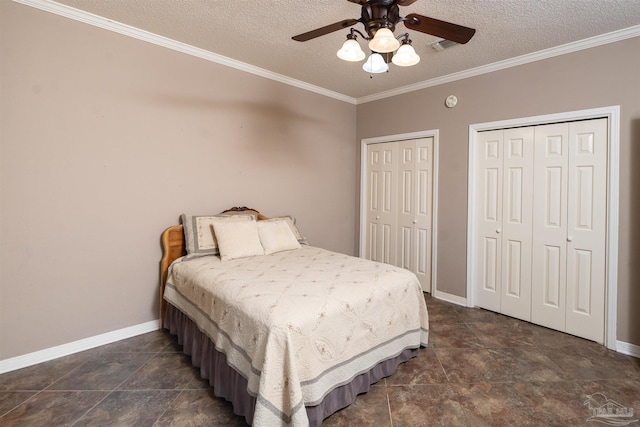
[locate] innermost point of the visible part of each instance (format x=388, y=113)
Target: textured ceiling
x=259, y=33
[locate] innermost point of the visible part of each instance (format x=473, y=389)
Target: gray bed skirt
x=232, y=386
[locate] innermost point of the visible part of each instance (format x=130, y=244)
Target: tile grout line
x=45, y=388
x=444, y=371
x=169, y=406
x=388, y=402
x=110, y=392
x=20, y=404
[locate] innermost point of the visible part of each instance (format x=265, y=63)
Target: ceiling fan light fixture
x=375, y=64
x=351, y=51
x=384, y=41
x=406, y=56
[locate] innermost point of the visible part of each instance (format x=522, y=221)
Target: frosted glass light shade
x=351, y=51
x=384, y=41
x=406, y=56
x=375, y=64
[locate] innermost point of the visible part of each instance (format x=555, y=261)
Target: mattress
x=298, y=324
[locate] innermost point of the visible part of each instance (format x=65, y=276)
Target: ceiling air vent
x=442, y=45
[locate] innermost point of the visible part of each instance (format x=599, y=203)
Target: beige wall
x=597, y=77
x=106, y=140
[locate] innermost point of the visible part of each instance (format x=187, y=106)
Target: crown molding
x=136, y=33
x=127, y=30
x=588, y=43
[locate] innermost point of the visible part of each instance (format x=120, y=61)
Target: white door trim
x=363, y=188
x=612, y=114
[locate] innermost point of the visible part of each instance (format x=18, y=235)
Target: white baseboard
x=47, y=354
x=628, y=349
x=455, y=299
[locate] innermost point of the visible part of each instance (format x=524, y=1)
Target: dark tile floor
x=480, y=369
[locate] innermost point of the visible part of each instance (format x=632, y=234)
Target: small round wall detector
x=451, y=101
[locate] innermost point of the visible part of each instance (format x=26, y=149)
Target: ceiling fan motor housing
x=378, y=14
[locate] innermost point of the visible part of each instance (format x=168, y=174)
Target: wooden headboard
x=173, y=247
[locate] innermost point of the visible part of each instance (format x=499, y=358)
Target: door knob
x=377, y=217
x=569, y=238
x=415, y=221
x=499, y=230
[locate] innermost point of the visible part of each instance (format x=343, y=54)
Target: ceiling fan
x=380, y=18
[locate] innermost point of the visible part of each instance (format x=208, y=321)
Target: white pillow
x=276, y=236
x=237, y=239
x=198, y=232
x=292, y=223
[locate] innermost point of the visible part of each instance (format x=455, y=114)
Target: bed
x=287, y=336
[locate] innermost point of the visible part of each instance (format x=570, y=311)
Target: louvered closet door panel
x=550, y=226
x=488, y=223
x=415, y=179
x=380, y=241
x=517, y=211
x=586, y=229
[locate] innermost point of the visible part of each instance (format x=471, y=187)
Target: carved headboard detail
x=173, y=247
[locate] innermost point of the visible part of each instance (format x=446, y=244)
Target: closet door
x=517, y=212
x=541, y=225
x=380, y=242
x=415, y=179
x=503, y=224
x=586, y=224
x=550, y=226
x=488, y=224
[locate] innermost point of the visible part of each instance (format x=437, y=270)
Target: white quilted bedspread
x=299, y=323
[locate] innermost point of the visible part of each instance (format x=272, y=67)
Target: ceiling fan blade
x=436, y=27
x=406, y=2
x=325, y=30
x=361, y=1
